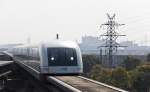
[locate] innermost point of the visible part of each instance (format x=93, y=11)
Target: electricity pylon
x=111, y=36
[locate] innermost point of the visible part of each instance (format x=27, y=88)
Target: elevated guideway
x=5, y=68
x=5, y=63
x=68, y=83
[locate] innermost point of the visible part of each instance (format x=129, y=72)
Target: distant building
x=90, y=45
x=8, y=46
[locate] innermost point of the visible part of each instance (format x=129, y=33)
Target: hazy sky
x=42, y=19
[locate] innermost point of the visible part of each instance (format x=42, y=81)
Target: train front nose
x=62, y=60
x=62, y=70
x=62, y=57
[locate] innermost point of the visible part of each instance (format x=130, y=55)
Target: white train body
x=54, y=58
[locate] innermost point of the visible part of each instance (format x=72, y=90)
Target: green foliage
x=141, y=80
x=131, y=63
x=144, y=68
x=100, y=74
x=89, y=61
x=148, y=57
x=133, y=76
x=120, y=78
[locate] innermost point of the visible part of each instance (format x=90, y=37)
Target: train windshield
x=62, y=57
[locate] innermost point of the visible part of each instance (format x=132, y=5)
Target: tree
x=148, y=57
x=130, y=63
x=100, y=74
x=88, y=62
x=120, y=78
x=141, y=79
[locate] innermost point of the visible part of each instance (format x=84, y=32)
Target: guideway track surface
x=87, y=85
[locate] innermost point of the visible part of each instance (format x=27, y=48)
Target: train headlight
x=52, y=58
x=71, y=58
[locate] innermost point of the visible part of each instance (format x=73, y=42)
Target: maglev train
x=52, y=58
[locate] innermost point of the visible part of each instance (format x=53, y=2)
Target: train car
x=52, y=58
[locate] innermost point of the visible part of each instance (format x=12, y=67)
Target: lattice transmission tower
x=110, y=46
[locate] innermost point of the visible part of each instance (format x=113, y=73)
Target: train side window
x=30, y=52
x=35, y=53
